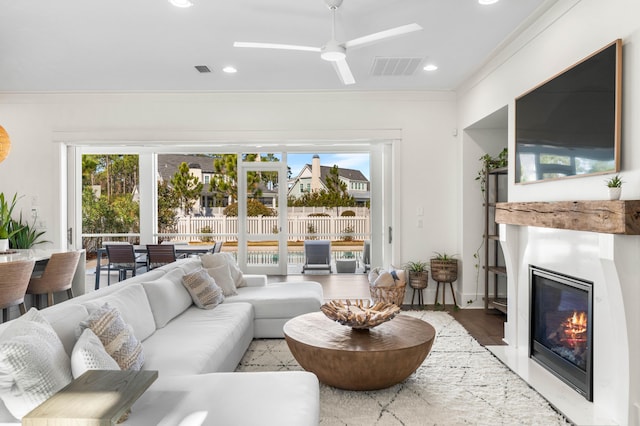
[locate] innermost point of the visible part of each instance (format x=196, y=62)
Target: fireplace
x=561, y=325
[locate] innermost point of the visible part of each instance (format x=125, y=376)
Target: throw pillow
x=116, y=336
x=217, y=259
x=33, y=363
x=89, y=354
x=236, y=273
x=206, y=294
x=167, y=297
x=222, y=276
x=385, y=279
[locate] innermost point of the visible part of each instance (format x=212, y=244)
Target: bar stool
x=57, y=276
x=14, y=279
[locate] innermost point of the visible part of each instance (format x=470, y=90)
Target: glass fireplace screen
x=561, y=327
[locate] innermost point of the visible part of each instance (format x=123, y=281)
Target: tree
x=225, y=181
x=187, y=187
x=168, y=203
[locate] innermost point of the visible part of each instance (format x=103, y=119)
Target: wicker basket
x=393, y=294
x=418, y=280
x=444, y=271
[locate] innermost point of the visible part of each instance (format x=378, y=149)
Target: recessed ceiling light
x=430, y=67
x=181, y=3
x=486, y=2
x=229, y=70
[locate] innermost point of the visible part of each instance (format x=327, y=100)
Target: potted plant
x=489, y=163
x=444, y=268
x=26, y=235
x=418, y=274
x=615, y=187
x=6, y=229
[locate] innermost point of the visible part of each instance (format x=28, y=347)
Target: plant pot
x=444, y=271
x=4, y=244
x=614, y=193
x=418, y=280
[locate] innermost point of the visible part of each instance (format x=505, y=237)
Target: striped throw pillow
x=204, y=291
x=116, y=336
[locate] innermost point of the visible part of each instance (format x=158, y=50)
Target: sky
x=359, y=161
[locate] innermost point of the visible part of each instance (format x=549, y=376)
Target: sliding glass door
x=262, y=215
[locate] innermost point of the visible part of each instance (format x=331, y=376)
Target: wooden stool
x=438, y=287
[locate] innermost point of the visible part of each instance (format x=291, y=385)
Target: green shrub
x=206, y=230
x=254, y=208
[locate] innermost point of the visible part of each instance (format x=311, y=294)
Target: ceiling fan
x=333, y=51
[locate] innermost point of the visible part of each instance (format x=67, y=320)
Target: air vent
x=202, y=68
x=394, y=66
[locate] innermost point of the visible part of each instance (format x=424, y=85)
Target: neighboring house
x=202, y=167
x=199, y=166
x=313, y=177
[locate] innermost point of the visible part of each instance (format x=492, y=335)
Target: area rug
x=459, y=383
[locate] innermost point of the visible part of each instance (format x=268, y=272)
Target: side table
x=97, y=398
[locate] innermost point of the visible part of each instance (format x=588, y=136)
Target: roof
x=168, y=164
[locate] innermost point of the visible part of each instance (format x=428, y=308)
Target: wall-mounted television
x=569, y=125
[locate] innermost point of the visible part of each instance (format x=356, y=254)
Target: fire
x=575, y=328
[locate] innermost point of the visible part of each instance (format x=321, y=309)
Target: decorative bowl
x=359, y=314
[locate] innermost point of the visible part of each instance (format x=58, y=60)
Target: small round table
x=353, y=359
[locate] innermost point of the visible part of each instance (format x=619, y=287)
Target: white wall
x=428, y=166
x=570, y=31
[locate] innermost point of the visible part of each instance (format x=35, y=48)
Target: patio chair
x=317, y=255
x=366, y=255
x=218, y=246
x=57, y=276
x=122, y=258
x=160, y=254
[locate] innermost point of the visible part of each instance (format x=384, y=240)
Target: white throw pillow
x=385, y=279
x=236, y=273
x=222, y=277
x=206, y=294
x=132, y=303
x=211, y=260
x=217, y=259
x=89, y=354
x=117, y=337
x=167, y=297
x=33, y=363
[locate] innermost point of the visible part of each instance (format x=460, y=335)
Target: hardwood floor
x=486, y=328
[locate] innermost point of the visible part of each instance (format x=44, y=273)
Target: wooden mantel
x=607, y=217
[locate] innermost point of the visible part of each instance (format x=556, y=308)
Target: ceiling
x=150, y=45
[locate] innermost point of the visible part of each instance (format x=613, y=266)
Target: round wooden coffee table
x=359, y=359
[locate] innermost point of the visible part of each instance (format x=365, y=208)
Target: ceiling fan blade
x=275, y=46
x=382, y=35
x=342, y=68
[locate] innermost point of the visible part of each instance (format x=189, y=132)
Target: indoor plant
x=489, y=163
x=6, y=229
x=615, y=187
x=26, y=235
x=418, y=273
x=444, y=267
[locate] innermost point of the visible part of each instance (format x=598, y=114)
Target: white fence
x=225, y=228
x=298, y=211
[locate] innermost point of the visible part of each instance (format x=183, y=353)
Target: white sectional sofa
x=196, y=350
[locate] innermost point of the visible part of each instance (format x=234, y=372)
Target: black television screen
x=570, y=125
